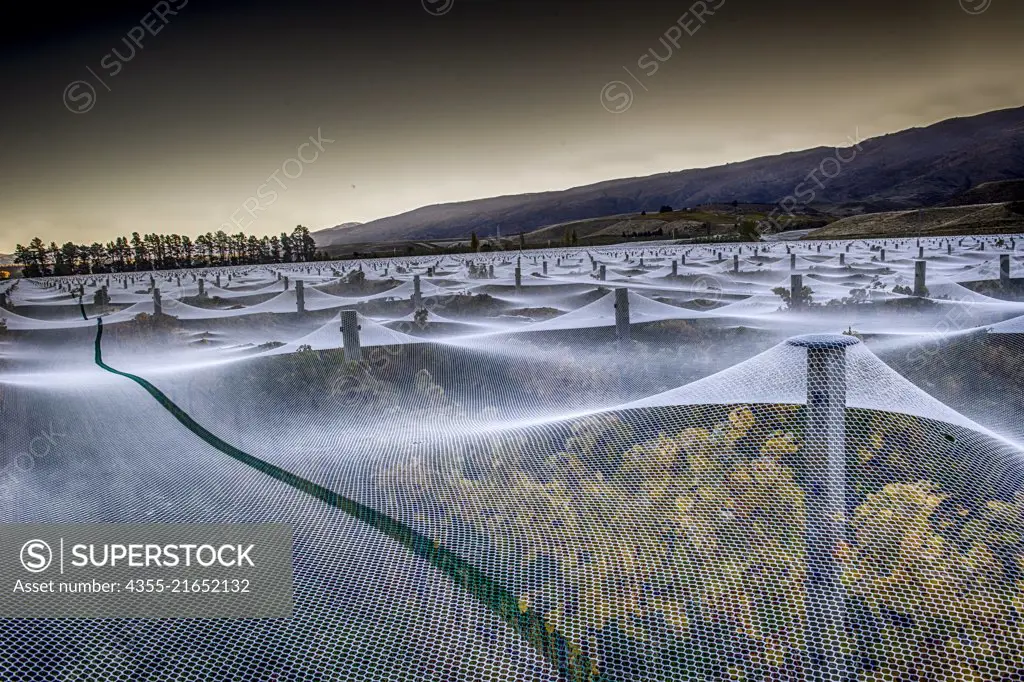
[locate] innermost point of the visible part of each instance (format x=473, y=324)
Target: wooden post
x=350, y=336
x=622, y=314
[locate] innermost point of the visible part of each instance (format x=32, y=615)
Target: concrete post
x=601, y=273
x=490, y=271
x=202, y=288
x=125, y=283
x=417, y=298
x=949, y=249
x=217, y=281
x=300, y=296
x=544, y=265
x=157, y=307
x=842, y=259
x=735, y=263
x=682, y=259
x=825, y=502
x=622, y=314
x=1004, y=270
x=285, y=280
x=792, y=261
x=796, y=285
x=920, y=252
x=519, y=278
x=675, y=268
x=881, y=255
x=919, y=277
x=350, y=336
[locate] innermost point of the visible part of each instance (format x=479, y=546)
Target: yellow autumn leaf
x=741, y=419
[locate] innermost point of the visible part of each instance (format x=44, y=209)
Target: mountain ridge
x=917, y=167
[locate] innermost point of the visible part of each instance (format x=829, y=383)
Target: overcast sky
x=429, y=101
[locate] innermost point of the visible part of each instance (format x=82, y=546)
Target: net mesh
x=653, y=462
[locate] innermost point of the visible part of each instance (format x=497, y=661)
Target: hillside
x=329, y=234
x=722, y=218
x=990, y=193
x=942, y=221
x=908, y=169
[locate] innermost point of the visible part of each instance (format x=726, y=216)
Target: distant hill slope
x=943, y=221
x=917, y=167
x=990, y=193
x=683, y=223
x=328, y=234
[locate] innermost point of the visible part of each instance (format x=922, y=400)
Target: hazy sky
x=442, y=100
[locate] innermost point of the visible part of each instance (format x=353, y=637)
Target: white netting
x=648, y=462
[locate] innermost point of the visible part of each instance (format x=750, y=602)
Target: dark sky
x=429, y=101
